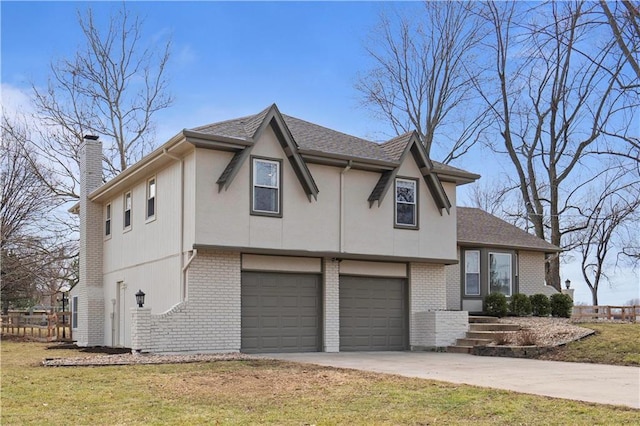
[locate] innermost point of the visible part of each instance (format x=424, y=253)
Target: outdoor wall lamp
x=567, y=284
x=140, y=298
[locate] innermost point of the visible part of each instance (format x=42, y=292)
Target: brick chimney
x=91, y=309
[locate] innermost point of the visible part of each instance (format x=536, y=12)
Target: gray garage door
x=280, y=312
x=373, y=314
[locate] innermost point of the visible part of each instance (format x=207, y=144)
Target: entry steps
x=482, y=331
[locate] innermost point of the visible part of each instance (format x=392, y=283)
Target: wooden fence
x=45, y=327
x=622, y=313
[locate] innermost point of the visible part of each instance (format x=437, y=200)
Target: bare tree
x=556, y=98
x=613, y=208
x=30, y=240
x=624, y=21
x=112, y=87
x=422, y=73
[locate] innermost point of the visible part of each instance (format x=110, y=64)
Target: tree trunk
x=552, y=273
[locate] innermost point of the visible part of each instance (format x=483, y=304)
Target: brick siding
x=427, y=292
x=90, y=331
x=331, y=305
x=209, y=320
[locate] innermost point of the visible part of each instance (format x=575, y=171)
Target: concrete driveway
x=603, y=384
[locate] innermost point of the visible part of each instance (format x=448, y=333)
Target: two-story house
x=268, y=233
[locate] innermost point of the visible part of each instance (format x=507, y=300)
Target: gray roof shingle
x=307, y=135
x=475, y=226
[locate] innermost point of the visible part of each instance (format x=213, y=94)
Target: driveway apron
x=603, y=384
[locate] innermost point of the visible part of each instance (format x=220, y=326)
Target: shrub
x=561, y=305
x=502, y=338
x=527, y=338
x=495, y=304
x=540, y=306
x=520, y=305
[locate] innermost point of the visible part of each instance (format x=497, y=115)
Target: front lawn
x=259, y=392
x=613, y=343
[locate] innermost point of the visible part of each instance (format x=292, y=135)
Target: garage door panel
x=373, y=314
x=280, y=312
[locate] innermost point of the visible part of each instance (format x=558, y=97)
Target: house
x=495, y=256
x=268, y=233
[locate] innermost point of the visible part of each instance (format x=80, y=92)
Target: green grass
x=613, y=343
x=261, y=392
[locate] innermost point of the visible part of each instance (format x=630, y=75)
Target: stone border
x=143, y=359
x=511, y=351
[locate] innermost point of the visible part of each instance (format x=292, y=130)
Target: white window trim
x=278, y=187
x=414, y=203
x=151, y=218
x=493, y=253
x=466, y=293
x=124, y=211
x=108, y=218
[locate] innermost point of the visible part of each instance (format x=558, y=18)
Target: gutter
x=138, y=167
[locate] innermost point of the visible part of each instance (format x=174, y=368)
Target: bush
x=502, y=338
x=527, y=338
x=520, y=305
x=540, y=305
x=561, y=305
x=495, y=304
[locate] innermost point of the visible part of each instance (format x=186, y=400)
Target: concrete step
x=459, y=349
x=494, y=327
x=485, y=334
x=472, y=342
x=474, y=319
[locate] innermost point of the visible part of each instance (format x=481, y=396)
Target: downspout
x=194, y=253
x=183, y=291
x=341, y=225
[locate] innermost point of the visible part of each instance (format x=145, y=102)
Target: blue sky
x=235, y=58
x=229, y=59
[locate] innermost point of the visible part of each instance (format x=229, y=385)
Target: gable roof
x=479, y=228
x=304, y=141
x=251, y=128
x=400, y=147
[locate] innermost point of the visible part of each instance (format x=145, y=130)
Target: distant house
x=268, y=233
x=495, y=256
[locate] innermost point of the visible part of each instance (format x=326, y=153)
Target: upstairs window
x=406, y=203
x=107, y=220
x=151, y=198
x=127, y=211
x=266, y=191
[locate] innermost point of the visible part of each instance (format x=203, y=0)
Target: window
x=151, y=198
x=406, y=203
x=472, y=272
x=500, y=273
x=266, y=187
x=107, y=220
x=127, y=210
x=74, y=312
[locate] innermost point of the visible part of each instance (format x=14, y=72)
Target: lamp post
x=567, y=284
x=140, y=298
x=64, y=319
